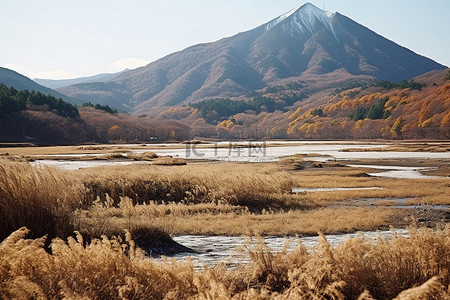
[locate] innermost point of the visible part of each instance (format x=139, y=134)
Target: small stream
x=214, y=249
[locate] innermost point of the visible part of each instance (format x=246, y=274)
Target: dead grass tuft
x=42, y=199
x=169, y=161
x=145, y=156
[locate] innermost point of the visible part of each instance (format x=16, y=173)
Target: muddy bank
x=166, y=247
x=157, y=243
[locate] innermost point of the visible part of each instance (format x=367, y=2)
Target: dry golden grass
x=442, y=170
x=329, y=220
x=120, y=155
x=410, y=268
x=230, y=199
x=389, y=188
x=105, y=269
x=113, y=155
x=220, y=198
x=432, y=199
x=42, y=199
x=169, y=161
x=386, y=203
x=384, y=269
x=256, y=186
x=144, y=156
x=234, y=184
x=58, y=150
x=206, y=199
x=92, y=149
x=225, y=219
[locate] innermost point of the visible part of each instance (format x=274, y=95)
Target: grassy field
x=172, y=198
x=211, y=198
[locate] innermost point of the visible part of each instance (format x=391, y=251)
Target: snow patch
x=305, y=18
x=281, y=18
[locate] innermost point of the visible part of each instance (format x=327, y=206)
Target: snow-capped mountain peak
x=298, y=46
x=305, y=18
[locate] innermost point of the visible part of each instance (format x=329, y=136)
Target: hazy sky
x=73, y=38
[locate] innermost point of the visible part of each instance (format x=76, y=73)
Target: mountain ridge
x=59, y=83
x=18, y=81
x=305, y=44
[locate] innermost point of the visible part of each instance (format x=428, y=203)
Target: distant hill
x=59, y=83
x=306, y=44
x=43, y=119
x=20, y=82
x=415, y=109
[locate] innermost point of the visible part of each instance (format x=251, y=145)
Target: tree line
x=219, y=109
x=35, y=117
x=404, y=84
x=374, y=112
x=106, y=108
x=12, y=100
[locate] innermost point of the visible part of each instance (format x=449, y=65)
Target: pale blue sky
x=72, y=38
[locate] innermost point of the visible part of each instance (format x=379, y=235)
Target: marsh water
x=214, y=249
x=267, y=152
x=306, y=190
x=71, y=165
x=397, y=171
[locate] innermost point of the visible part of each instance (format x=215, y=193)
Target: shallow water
x=247, y=152
x=400, y=203
x=425, y=206
x=398, y=172
x=304, y=190
x=258, y=152
x=75, y=165
x=75, y=155
x=214, y=249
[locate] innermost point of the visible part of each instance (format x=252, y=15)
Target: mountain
x=19, y=82
x=59, y=83
x=305, y=45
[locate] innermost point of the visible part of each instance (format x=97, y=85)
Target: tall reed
x=194, y=184
x=407, y=268
x=39, y=198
